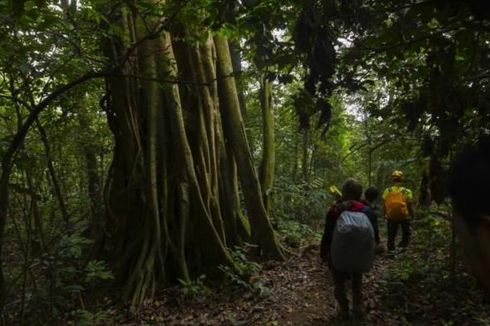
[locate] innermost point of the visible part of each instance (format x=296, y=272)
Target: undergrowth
x=427, y=283
x=248, y=275
x=64, y=283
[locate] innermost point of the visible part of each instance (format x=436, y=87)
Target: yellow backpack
x=396, y=205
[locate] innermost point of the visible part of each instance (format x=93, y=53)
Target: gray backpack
x=352, y=248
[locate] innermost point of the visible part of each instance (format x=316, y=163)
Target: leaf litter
x=300, y=292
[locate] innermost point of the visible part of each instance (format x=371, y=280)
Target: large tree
x=181, y=158
x=180, y=149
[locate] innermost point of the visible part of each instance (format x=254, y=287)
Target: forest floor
x=297, y=292
x=415, y=288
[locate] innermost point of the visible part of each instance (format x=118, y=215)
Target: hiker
x=347, y=246
x=469, y=179
x=370, y=196
x=398, y=211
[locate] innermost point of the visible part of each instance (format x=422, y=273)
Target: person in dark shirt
x=370, y=196
x=469, y=189
x=350, y=201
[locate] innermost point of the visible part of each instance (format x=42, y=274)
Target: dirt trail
x=299, y=292
x=312, y=292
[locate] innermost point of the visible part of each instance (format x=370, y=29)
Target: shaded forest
x=169, y=161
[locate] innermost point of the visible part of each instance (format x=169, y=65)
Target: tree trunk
x=304, y=163
x=261, y=228
x=294, y=171
x=164, y=199
x=267, y=164
x=236, y=60
x=233, y=219
x=208, y=243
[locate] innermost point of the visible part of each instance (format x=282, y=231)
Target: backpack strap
x=344, y=206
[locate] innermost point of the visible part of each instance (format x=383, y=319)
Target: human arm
x=409, y=199
x=376, y=228
x=330, y=222
x=373, y=218
x=384, y=210
x=410, y=210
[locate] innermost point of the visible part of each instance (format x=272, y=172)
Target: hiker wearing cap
x=398, y=210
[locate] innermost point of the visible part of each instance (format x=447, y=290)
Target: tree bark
x=164, y=195
x=268, y=162
x=305, y=161
x=236, y=60
x=261, y=228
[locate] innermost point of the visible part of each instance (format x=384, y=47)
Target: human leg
x=392, y=231
x=405, y=233
x=357, y=301
x=339, y=279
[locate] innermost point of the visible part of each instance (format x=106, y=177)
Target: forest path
x=419, y=287
x=298, y=291
x=310, y=289
x=412, y=289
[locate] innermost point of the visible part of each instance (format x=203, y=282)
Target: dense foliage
x=154, y=143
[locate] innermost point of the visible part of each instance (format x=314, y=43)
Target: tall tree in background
x=263, y=55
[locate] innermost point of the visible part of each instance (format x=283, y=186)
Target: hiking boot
x=343, y=312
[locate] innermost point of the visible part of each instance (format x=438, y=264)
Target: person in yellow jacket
x=398, y=210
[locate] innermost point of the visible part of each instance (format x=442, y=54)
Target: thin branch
x=354, y=149
x=15, y=99
x=371, y=148
x=36, y=110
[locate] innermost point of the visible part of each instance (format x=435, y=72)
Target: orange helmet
x=397, y=175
